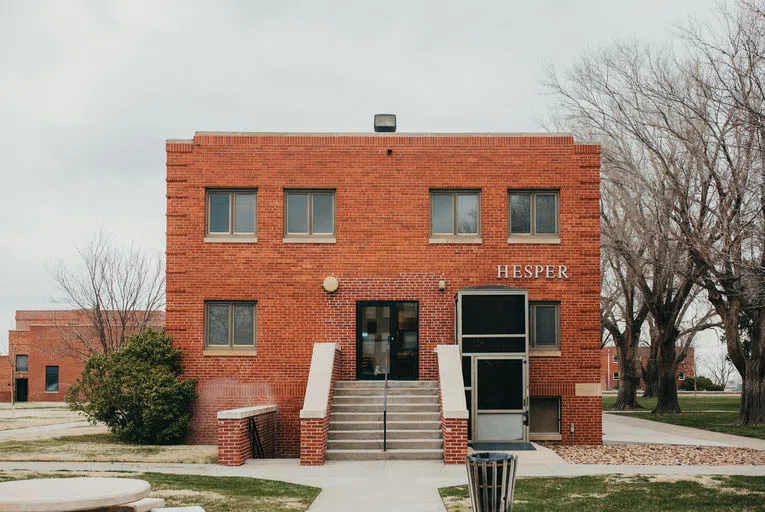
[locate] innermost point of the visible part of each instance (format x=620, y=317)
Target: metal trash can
x=491, y=478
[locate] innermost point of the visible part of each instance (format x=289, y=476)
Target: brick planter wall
x=234, y=437
x=454, y=432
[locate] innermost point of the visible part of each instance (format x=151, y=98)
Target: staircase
x=356, y=422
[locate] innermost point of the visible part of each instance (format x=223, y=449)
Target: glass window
x=230, y=324
x=545, y=319
x=310, y=212
x=231, y=212
x=681, y=376
x=616, y=375
x=500, y=384
x=544, y=415
x=455, y=213
x=533, y=213
x=51, y=379
x=22, y=363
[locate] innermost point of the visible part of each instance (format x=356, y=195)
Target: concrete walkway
x=372, y=486
x=626, y=429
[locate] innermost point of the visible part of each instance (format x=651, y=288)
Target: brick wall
x=314, y=432
x=608, y=367
x=234, y=445
x=455, y=437
x=382, y=252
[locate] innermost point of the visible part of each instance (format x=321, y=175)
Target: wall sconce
x=330, y=284
x=442, y=285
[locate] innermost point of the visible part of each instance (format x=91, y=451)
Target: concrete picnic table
x=70, y=494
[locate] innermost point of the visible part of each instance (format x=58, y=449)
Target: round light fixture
x=330, y=284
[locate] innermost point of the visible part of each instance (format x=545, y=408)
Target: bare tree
x=118, y=292
x=720, y=368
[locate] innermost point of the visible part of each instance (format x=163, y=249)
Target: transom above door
x=387, y=340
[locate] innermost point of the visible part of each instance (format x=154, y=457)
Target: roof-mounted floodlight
x=385, y=122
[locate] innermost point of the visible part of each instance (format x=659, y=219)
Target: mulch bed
x=660, y=455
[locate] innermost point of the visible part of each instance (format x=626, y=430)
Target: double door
x=387, y=340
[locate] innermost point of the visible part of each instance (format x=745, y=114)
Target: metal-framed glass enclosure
x=492, y=332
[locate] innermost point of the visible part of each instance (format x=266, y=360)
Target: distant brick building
x=609, y=367
x=413, y=233
x=38, y=367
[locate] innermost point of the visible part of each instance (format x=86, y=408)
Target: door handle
x=526, y=418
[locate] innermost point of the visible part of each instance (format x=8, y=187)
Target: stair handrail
x=385, y=398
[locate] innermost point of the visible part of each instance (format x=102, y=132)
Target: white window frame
x=616, y=376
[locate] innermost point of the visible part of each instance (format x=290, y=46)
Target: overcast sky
x=90, y=90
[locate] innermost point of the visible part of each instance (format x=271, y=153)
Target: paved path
x=626, y=429
x=373, y=486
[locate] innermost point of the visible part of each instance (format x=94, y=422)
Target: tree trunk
x=629, y=378
x=651, y=377
x=667, y=403
x=752, y=409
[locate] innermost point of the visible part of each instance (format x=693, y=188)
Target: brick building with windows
x=386, y=247
x=609, y=367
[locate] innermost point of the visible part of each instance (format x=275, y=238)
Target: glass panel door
x=499, y=402
x=381, y=325
x=374, y=333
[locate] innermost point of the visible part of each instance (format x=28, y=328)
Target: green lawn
x=724, y=422
x=687, y=402
x=621, y=493
x=214, y=494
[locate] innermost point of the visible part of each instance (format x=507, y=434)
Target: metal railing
x=385, y=398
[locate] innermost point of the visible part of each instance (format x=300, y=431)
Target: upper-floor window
x=681, y=376
x=616, y=375
x=455, y=212
x=616, y=358
x=545, y=325
x=230, y=325
x=231, y=212
x=22, y=363
x=533, y=212
x=51, y=379
x=309, y=213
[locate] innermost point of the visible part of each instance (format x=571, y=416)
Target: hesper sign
x=532, y=271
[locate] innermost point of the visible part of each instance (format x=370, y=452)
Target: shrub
x=137, y=391
x=702, y=384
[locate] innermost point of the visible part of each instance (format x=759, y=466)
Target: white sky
x=90, y=90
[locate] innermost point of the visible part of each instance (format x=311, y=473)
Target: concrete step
x=393, y=444
x=409, y=384
x=379, y=399
x=378, y=391
x=422, y=454
x=392, y=408
x=378, y=416
x=377, y=434
x=337, y=425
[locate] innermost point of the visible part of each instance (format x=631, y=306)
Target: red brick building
x=39, y=367
x=277, y=241
x=609, y=367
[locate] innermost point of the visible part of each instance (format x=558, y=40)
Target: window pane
x=219, y=210
x=297, y=213
x=217, y=324
x=467, y=213
x=244, y=324
x=544, y=415
x=520, y=213
x=244, y=213
x=545, y=220
x=500, y=384
x=545, y=326
x=442, y=213
x=22, y=363
x=322, y=213
x=51, y=378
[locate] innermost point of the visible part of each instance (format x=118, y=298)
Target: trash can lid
x=490, y=456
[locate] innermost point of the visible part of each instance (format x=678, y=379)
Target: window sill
x=51, y=392
x=544, y=437
x=538, y=352
x=455, y=240
x=309, y=240
x=229, y=352
x=231, y=239
x=533, y=239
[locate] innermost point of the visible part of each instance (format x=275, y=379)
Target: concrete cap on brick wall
x=245, y=412
x=319, y=381
x=450, y=381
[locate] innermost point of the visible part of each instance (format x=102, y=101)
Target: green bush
x=702, y=384
x=137, y=391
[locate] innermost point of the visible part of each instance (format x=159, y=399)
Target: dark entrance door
x=380, y=325
x=22, y=390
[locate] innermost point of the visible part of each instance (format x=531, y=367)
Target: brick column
x=313, y=441
x=451, y=396
x=234, y=446
x=455, y=436
x=314, y=417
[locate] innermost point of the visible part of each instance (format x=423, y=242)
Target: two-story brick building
x=388, y=245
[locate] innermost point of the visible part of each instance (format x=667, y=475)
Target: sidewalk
x=625, y=429
x=402, y=486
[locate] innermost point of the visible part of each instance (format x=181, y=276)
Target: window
x=309, y=213
x=681, y=376
x=545, y=325
x=455, y=213
x=533, y=213
x=22, y=363
x=230, y=325
x=231, y=213
x=544, y=415
x=51, y=379
x=616, y=375
x=616, y=358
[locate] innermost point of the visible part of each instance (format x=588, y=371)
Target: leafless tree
x=118, y=292
x=720, y=368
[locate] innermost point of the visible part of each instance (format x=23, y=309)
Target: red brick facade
x=234, y=445
x=609, y=367
x=382, y=252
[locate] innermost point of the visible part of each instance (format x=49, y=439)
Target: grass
x=723, y=422
x=687, y=403
x=619, y=493
x=101, y=448
x=212, y=493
